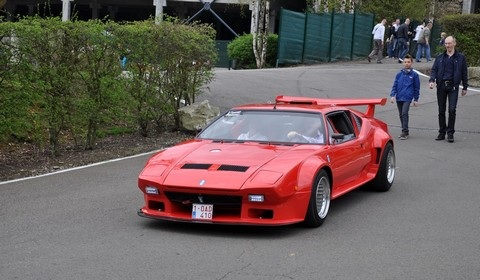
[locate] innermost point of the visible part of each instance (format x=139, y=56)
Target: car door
x=348, y=156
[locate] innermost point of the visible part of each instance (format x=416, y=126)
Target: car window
x=340, y=123
x=358, y=122
x=272, y=126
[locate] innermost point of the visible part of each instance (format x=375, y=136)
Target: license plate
x=202, y=211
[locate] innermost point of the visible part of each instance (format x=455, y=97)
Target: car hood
x=228, y=165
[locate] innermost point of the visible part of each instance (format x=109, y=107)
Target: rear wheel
x=319, y=200
x=386, y=171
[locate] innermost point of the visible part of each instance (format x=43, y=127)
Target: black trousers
x=445, y=93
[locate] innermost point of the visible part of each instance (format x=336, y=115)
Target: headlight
x=151, y=190
x=256, y=198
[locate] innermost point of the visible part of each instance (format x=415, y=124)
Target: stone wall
x=447, y=8
x=474, y=77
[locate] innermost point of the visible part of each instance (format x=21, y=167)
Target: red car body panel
x=224, y=173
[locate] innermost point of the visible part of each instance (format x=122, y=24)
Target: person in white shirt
x=418, y=34
x=313, y=134
x=254, y=132
x=378, y=33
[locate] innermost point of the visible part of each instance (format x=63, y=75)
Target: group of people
x=399, y=37
x=448, y=73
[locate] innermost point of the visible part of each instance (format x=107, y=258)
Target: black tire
x=319, y=201
x=386, y=172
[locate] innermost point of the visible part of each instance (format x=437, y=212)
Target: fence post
x=332, y=17
x=353, y=34
x=304, y=36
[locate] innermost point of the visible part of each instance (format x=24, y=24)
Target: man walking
x=418, y=35
x=403, y=40
x=448, y=70
x=392, y=39
x=378, y=37
x=423, y=44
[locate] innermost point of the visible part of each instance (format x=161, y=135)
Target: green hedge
x=63, y=81
x=241, y=50
x=466, y=30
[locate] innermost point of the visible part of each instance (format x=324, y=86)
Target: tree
x=168, y=63
x=45, y=64
x=390, y=9
x=96, y=72
x=261, y=25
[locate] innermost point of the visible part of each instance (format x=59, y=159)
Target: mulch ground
x=19, y=160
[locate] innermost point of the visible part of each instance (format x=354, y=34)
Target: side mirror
x=338, y=136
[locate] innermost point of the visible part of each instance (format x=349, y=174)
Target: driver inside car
x=311, y=133
x=254, y=131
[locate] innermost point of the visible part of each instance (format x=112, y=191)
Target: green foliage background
x=466, y=30
x=391, y=10
x=62, y=82
x=241, y=50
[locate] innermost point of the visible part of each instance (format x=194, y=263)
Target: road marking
x=76, y=168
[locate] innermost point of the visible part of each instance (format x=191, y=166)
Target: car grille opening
x=260, y=213
x=156, y=205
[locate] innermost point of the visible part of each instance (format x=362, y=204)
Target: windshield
x=267, y=126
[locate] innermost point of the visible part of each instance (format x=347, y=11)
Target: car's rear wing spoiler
x=370, y=102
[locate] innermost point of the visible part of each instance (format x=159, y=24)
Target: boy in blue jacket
x=406, y=88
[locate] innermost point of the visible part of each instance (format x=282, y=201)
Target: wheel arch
x=381, y=149
x=309, y=171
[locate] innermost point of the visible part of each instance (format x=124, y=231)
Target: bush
x=466, y=30
x=63, y=81
x=241, y=50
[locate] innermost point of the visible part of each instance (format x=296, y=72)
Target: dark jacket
x=402, y=31
x=460, y=70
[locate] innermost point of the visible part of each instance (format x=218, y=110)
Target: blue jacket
x=460, y=69
x=406, y=86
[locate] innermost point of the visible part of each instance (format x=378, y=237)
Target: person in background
x=443, y=35
x=378, y=37
x=418, y=34
x=405, y=89
x=441, y=43
x=448, y=71
x=423, y=44
x=403, y=39
x=392, y=39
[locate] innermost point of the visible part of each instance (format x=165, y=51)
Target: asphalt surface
x=82, y=224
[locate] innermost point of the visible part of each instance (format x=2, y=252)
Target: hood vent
x=237, y=168
x=196, y=166
x=223, y=167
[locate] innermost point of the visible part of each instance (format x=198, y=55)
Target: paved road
x=82, y=224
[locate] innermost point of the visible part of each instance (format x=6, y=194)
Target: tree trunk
x=260, y=17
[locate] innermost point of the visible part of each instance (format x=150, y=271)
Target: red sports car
x=271, y=164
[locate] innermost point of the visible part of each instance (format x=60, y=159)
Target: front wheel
x=386, y=171
x=319, y=200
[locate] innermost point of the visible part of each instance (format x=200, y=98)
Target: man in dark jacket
x=448, y=71
x=403, y=40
